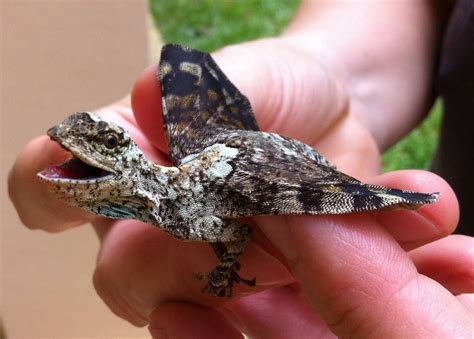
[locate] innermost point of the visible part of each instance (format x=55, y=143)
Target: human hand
x=139, y=269
x=338, y=261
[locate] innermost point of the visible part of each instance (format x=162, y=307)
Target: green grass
x=210, y=24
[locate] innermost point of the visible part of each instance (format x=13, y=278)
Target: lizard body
x=224, y=168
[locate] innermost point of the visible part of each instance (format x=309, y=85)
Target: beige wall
x=59, y=56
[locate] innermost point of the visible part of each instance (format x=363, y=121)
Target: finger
x=449, y=261
x=467, y=300
x=140, y=267
x=183, y=320
x=35, y=205
x=430, y=222
x=146, y=105
x=353, y=271
x=276, y=313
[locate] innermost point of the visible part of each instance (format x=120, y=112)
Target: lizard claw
x=221, y=280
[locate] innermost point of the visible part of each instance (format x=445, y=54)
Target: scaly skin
x=225, y=168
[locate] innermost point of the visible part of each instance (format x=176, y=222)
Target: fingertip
x=36, y=207
x=182, y=320
x=445, y=210
x=442, y=216
x=146, y=105
x=449, y=261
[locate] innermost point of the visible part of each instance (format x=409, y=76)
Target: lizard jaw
x=74, y=170
x=79, y=169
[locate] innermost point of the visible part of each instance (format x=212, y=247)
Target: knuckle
x=114, y=299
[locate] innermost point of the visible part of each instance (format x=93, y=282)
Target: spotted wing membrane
x=198, y=101
x=274, y=176
x=201, y=107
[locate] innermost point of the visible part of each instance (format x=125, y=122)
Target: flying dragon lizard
x=224, y=168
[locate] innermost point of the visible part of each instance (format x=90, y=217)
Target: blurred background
x=64, y=56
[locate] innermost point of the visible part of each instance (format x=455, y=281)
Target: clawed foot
x=221, y=280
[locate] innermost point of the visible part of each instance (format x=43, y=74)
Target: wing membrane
x=198, y=101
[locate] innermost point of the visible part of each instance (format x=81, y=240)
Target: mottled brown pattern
x=225, y=168
x=210, y=92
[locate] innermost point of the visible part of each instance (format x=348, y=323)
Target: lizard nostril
x=53, y=131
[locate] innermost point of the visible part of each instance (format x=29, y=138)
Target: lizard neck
x=156, y=179
x=149, y=189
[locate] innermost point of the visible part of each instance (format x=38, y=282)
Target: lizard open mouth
x=77, y=168
x=74, y=169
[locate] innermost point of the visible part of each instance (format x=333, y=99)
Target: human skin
x=352, y=275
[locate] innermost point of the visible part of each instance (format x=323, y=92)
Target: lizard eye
x=110, y=140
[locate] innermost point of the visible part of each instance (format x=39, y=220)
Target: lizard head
x=104, y=171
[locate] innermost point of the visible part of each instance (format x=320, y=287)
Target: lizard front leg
x=228, y=239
